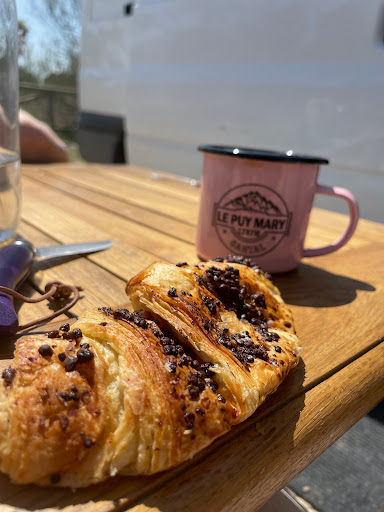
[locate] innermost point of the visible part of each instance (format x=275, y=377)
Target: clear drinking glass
x=9, y=123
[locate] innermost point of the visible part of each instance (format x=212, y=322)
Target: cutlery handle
x=15, y=263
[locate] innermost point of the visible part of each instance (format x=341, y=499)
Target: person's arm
x=38, y=142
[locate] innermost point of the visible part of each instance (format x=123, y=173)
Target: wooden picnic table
x=336, y=302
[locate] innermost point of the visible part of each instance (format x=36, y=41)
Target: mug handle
x=353, y=219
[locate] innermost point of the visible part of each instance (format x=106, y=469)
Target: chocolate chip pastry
x=138, y=392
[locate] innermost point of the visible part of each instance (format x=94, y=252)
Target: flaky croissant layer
x=139, y=392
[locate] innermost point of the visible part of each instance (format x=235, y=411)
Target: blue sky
x=42, y=37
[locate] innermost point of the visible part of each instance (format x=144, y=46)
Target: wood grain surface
x=336, y=301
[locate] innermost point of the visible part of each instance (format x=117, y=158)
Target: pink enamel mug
x=256, y=204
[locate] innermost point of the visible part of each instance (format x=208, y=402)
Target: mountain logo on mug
x=251, y=219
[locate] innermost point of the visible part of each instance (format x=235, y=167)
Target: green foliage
x=25, y=75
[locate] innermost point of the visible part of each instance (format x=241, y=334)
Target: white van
x=159, y=77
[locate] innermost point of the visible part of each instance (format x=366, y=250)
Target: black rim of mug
x=262, y=154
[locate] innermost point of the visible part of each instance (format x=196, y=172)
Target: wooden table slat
x=123, y=207
x=62, y=217
x=147, y=194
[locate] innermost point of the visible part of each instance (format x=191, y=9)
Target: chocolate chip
x=172, y=366
x=8, y=375
x=193, y=392
x=200, y=411
x=65, y=397
x=181, y=264
x=207, y=325
x=288, y=324
x=45, y=350
x=164, y=340
x=106, y=310
x=192, y=379
x=243, y=348
x=201, y=384
x=212, y=384
x=123, y=314
x=87, y=442
x=240, y=260
x=172, y=292
x=62, y=356
x=185, y=360
x=183, y=406
x=277, y=348
x=103, y=324
x=139, y=319
x=73, y=335
x=211, y=304
x=70, y=363
x=221, y=398
x=65, y=327
x=53, y=334
x=64, y=422
x=271, y=336
x=169, y=350
x=84, y=355
x=259, y=300
x=206, y=370
x=189, y=417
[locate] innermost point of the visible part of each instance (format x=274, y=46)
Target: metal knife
x=16, y=262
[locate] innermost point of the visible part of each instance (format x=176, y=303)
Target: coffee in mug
x=256, y=204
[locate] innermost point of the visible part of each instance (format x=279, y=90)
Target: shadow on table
x=377, y=412
x=314, y=287
x=29, y=290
